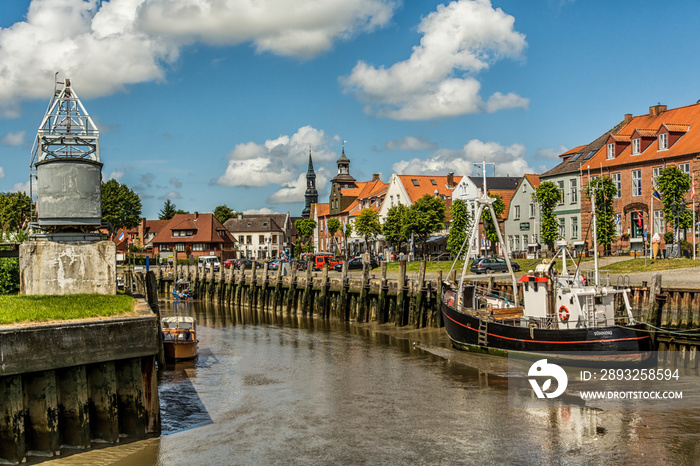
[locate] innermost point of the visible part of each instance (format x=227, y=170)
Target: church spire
x=311, y=194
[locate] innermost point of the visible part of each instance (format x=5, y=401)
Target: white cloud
x=294, y=191
x=261, y=211
x=116, y=175
x=172, y=195
x=459, y=40
x=2, y=173
x=105, y=45
x=24, y=187
x=13, y=139
x=175, y=182
x=551, y=153
x=410, y=143
x=509, y=160
x=276, y=161
x=302, y=28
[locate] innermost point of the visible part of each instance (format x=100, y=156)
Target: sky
x=213, y=102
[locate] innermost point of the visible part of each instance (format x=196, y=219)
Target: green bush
x=668, y=237
x=9, y=275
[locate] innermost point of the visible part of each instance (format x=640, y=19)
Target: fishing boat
x=179, y=338
x=181, y=290
x=561, y=310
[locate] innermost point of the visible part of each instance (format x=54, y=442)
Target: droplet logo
x=543, y=369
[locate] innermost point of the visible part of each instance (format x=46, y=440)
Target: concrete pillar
x=12, y=445
x=102, y=386
x=73, y=407
x=41, y=410
x=130, y=400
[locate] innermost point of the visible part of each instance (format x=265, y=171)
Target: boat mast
x=595, y=232
x=483, y=201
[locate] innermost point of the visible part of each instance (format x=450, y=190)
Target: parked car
x=492, y=264
x=209, y=263
x=274, y=264
x=228, y=263
x=356, y=263
x=243, y=263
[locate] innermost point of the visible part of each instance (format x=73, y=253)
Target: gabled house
x=261, y=236
x=634, y=157
x=407, y=189
x=196, y=234
x=522, y=216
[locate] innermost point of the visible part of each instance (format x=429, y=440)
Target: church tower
x=343, y=180
x=311, y=195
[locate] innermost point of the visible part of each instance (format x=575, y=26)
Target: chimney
x=196, y=215
x=628, y=117
x=375, y=177
x=450, y=179
x=656, y=110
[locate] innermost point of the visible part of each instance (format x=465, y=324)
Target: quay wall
x=414, y=300
x=72, y=384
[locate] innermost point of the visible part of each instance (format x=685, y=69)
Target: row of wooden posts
x=673, y=313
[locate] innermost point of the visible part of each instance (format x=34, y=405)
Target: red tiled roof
x=506, y=195
x=645, y=133
x=207, y=229
x=425, y=186
x=534, y=179
x=687, y=144
x=620, y=137
x=322, y=209
x=572, y=151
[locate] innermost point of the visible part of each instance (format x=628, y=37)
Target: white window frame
x=636, y=183
x=574, y=227
x=561, y=190
x=617, y=181
x=656, y=172
x=636, y=146
x=659, y=222
x=684, y=167
x=532, y=210
x=663, y=141
x=516, y=215
x=573, y=187
x=562, y=228
x=618, y=224
x=611, y=150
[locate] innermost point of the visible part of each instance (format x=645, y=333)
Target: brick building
x=633, y=157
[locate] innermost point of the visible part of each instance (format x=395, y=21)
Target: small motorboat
x=179, y=337
x=182, y=290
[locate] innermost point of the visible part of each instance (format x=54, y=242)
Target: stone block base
x=67, y=267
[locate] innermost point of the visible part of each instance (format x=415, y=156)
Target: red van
x=320, y=258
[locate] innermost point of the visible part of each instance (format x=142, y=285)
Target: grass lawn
x=658, y=265
x=18, y=309
x=626, y=266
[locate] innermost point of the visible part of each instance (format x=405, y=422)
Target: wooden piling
x=401, y=294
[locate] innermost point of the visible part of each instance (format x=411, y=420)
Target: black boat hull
x=463, y=330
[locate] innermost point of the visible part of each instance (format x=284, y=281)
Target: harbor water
x=289, y=389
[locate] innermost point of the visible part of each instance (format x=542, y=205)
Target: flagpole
x=651, y=217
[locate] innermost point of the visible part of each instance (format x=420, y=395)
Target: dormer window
x=611, y=150
x=415, y=183
x=636, y=146
x=663, y=141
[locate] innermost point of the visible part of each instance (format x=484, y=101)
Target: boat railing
x=623, y=281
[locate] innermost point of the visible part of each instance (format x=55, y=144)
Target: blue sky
x=205, y=102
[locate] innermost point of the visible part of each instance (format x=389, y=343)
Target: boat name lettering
x=603, y=332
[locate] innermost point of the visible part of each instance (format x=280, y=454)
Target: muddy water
x=294, y=390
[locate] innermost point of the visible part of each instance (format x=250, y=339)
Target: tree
x=168, y=210
x=305, y=230
x=489, y=228
x=223, y=213
x=673, y=185
x=334, y=226
x=15, y=212
x=547, y=196
x=367, y=225
x=604, y=190
x=458, y=226
x=425, y=216
x=121, y=206
x=393, y=228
